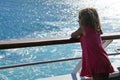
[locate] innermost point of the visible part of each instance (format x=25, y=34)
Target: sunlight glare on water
x=26, y=19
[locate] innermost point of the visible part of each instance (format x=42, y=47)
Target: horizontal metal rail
x=45, y=62
x=44, y=42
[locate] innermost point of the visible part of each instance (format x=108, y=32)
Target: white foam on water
x=3, y=77
x=2, y=56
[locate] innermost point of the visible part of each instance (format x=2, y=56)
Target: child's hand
x=74, y=36
x=77, y=33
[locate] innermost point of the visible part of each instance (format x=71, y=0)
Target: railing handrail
x=44, y=42
x=45, y=62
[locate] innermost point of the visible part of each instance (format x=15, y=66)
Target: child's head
x=89, y=17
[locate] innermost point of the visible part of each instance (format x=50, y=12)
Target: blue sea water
x=27, y=19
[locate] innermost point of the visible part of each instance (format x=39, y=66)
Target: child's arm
x=77, y=33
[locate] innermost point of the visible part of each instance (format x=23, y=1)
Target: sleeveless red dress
x=94, y=58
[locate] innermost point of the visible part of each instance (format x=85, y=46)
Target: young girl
x=95, y=61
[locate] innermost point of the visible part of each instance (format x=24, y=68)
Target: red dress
x=94, y=57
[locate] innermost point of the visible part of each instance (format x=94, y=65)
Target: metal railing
x=45, y=62
x=45, y=42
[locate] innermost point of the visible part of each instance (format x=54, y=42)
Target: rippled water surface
x=26, y=19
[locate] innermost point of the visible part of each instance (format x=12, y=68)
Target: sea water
x=29, y=19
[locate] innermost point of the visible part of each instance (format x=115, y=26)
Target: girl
x=95, y=61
